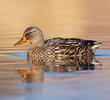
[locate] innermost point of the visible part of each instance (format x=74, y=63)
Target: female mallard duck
x=55, y=48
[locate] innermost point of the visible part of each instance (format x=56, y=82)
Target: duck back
x=72, y=46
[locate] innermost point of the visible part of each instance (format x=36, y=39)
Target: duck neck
x=38, y=43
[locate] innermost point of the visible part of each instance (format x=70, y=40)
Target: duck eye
x=27, y=35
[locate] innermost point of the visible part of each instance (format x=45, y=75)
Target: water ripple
x=102, y=53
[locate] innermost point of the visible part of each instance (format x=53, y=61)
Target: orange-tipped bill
x=23, y=40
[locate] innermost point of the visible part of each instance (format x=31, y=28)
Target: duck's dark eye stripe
x=27, y=34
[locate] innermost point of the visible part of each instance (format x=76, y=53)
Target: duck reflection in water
x=37, y=70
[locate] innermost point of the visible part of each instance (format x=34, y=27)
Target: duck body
x=62, y=48
x=55, y=48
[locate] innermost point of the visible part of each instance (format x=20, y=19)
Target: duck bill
x=23, y=40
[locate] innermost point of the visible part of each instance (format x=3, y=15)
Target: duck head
x=32, y=35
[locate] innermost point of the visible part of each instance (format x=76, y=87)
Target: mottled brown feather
x=62, y=48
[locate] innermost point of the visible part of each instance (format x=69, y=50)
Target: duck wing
x=72, y=46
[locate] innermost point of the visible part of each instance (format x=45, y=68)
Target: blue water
x=102, y=53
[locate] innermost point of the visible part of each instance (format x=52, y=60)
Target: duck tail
x=96, y=46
